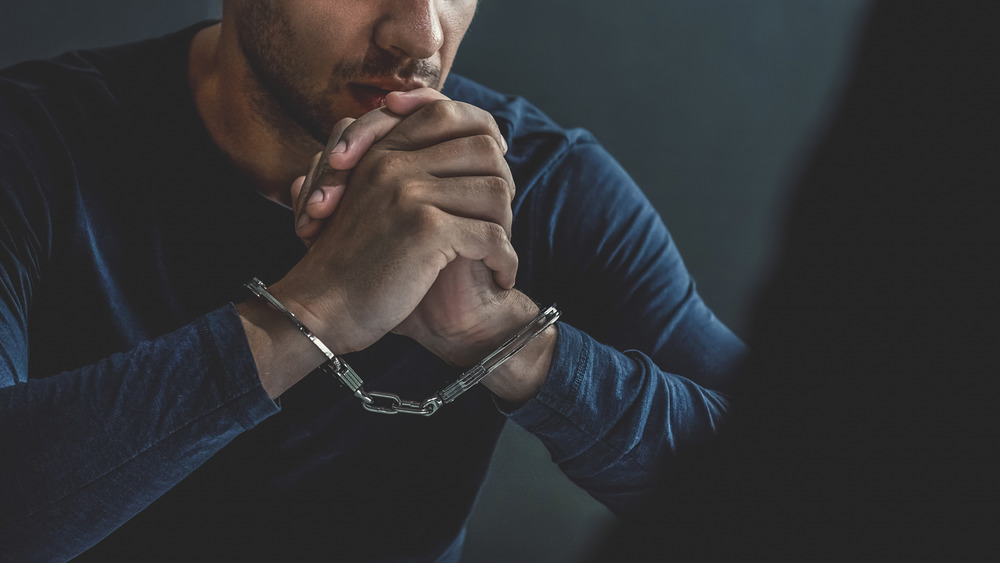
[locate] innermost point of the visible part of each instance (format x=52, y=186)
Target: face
x=323, y=60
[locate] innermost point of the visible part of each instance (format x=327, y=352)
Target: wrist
x=481, y=331
x=281, y=354
x=323, y=315
x=519, y=378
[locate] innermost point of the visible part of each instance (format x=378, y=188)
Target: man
x=143, y=185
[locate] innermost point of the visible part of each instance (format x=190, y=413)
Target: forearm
x=86, y=450
x=519, y=379
x=610, y=418
x=281, y=353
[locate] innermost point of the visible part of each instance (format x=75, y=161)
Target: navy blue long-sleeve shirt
x=131, y=413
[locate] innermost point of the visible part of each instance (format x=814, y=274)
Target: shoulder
x=65, y=121
x=77, y=91
x=83, y=103
x=521, y=122
x=516, y=114
x=539, y=146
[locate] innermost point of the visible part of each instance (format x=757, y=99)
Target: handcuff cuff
x=389, y=403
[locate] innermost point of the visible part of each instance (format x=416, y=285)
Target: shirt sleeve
x=641, y=364
x=83, y=451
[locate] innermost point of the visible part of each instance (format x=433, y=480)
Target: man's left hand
x=465, y=314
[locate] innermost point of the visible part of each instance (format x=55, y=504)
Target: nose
x=410, y=28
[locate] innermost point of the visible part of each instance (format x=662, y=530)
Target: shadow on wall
x=43, y=28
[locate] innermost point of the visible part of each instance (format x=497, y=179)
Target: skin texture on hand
x=467, y=311
x=435, y=188
x=349, y=142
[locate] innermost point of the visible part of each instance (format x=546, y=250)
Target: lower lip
x=368, y=97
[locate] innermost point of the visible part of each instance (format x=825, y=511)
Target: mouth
x=371, y=96
x=368, y=97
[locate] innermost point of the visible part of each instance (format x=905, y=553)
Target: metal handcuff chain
x=389, y=403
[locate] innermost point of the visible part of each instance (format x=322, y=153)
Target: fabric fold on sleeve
x=611, y=418
x=106, y=440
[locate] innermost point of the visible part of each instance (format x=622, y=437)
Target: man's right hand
x=435, y=188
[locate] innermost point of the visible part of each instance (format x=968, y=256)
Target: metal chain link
x=388, y=403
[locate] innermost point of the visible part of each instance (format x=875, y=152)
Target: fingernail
x=339, y=147
x=301, y=222
x=504, y=142
x=316, y=197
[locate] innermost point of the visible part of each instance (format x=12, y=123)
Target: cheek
x=455, y=21
x=457, y=16
x=325, y=31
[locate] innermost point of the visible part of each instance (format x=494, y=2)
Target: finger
x=319, y=208
x=439, y=121
x=476, y=240
x=319, y=166
x=320, y=174
x=370, y=128
x=296, y=190
x=482, y=240
x=302, y=229
x=321, y=203
x=406, y=103
x=358, y=136
x=485, y=198
x=467, y=156
x=324, y=201
x=301, y=195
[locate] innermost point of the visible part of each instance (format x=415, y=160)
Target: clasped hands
x=411, y=234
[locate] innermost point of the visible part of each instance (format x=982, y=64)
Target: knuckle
x=427, y=222
x=397, y=140
x=485, y=145
x=346, y=125
x=442, y=110
x=378, y=173
x=500, y=189
x=351, y=134
x=496, y=234
x=388, y=167
x=493, y=125
x=487, y=123
x=508, y=216
x=408, y=192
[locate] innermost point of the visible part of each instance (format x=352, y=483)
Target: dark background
x=708, y=104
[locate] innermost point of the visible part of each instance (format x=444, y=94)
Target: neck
x=242, y=118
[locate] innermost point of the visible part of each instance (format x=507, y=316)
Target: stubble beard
x=277, y=85
x=264, y=33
